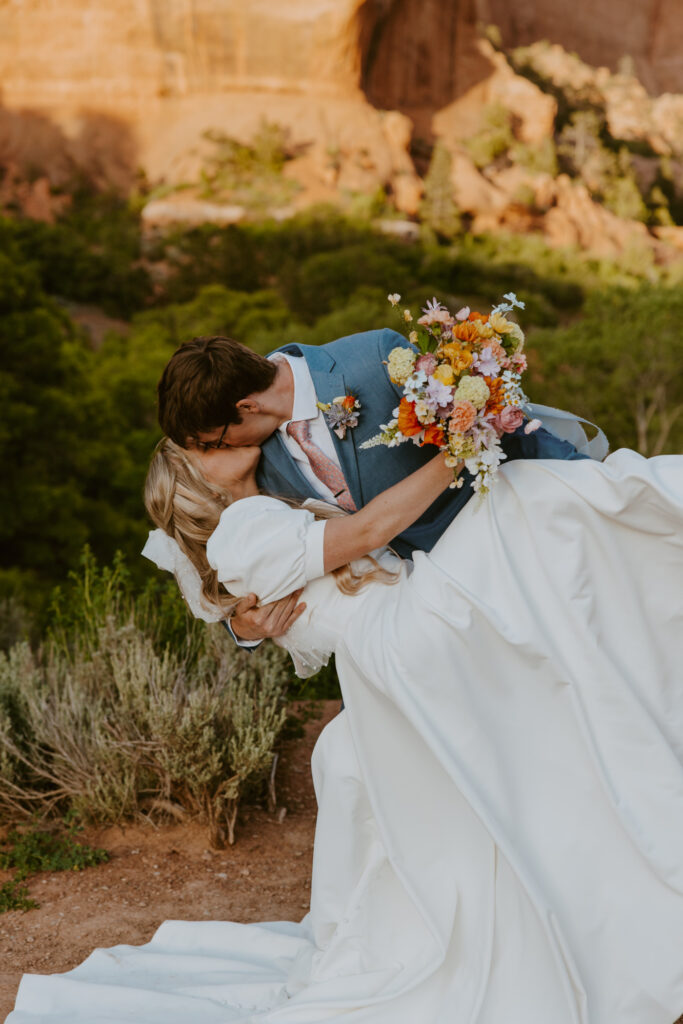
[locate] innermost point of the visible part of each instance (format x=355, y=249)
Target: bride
x=500, y=828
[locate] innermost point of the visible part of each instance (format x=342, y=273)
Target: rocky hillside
x=227, y=109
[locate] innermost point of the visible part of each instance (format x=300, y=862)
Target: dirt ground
x=169, y=872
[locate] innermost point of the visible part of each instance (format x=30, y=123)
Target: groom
x=216, y=392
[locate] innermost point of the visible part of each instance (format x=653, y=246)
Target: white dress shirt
x=304, y=408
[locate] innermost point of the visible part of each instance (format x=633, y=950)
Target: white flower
x=414, y=387
x=463, y=313
x=394, y=298
x=424, y=412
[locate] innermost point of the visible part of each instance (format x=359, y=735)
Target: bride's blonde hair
x=184, y=504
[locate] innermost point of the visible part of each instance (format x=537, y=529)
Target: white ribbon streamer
x=568, y=426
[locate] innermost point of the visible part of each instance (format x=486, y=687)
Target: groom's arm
x=251, y=622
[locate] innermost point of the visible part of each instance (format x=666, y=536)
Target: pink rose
x=518, y=362
x=510, y=419
x=426, y=363
x=462, y=417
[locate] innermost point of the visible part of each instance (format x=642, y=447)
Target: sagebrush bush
x=112, y=720
x=121, y=730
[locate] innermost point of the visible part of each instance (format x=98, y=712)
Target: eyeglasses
x=207, y=446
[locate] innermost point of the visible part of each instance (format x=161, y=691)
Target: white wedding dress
x=500, y=830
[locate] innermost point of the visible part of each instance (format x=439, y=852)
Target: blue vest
x=355, y=365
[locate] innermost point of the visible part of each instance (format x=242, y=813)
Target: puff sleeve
x=263, y=546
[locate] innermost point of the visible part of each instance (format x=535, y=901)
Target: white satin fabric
x=500, y=830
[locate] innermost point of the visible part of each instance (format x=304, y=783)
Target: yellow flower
x=412, y=337
x=483, y=330
x=407, y=316
x=474, y=390
x=457, y=355
x=400, y=364
x=500, y=324
x=445, y=374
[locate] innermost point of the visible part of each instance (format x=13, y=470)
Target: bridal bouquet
x=462, y=388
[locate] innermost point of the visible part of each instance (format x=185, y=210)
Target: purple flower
x=486, y=363
x=438, y=394
x=439, y=398
x=433, y=306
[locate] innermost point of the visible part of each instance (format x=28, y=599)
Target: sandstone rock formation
x=163, y=70
x=649, y=33
x=359, y=85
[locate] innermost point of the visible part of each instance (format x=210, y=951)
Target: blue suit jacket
x=355, y=365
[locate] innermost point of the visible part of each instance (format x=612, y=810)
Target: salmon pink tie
x=323, y=467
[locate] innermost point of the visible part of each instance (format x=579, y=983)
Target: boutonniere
x=341, y=413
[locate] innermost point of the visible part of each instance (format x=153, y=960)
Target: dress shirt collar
x=304, y=404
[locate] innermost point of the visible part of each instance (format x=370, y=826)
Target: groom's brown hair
x=202, y=383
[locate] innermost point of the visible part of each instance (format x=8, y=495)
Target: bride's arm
x=387, y=515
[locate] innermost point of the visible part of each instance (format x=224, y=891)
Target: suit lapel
x=329, y=383
x=278, y=473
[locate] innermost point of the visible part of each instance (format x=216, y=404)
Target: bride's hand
x=251, y=621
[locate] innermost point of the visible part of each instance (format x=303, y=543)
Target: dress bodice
x=264, y=546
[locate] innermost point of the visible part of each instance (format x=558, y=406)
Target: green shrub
x=14, y=896
x=134, y=708
x=537, y=159
x=250, y=175
x=122, y=730
x=619, y=366
x=438, y=209
x=494, y=138
x=34, y=850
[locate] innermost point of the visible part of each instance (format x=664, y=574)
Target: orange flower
x=466, y=332
x=408, y=422
x=349, y=402
x=462, y=417
x=433, y=434
x=478, y=316
x=457, y=355
x=496, y=400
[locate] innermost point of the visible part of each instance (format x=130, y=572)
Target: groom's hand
x=252, y=621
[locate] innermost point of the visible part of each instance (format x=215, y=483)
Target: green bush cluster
x=249, y=174
x=620, y=366
x=32, y=850
x=118, y=716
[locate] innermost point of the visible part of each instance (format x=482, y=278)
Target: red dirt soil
x=159, y=873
